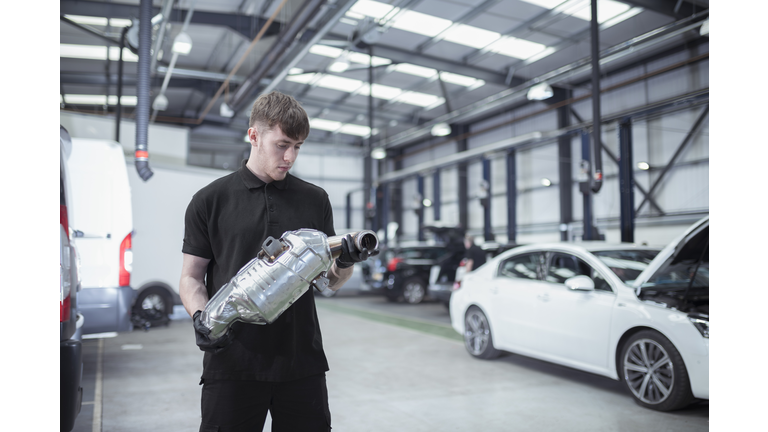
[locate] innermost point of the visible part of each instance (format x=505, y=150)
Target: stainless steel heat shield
x=281, y=273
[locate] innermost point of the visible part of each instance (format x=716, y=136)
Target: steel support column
x=420, y=207
x=436, y=194
x=461, y=145
x=564, y=166
x=626, y=181
x=385, y=211
x=511, y=196
x=586, y=185
x=487, y=227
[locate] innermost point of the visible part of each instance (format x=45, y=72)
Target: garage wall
x=683, y=194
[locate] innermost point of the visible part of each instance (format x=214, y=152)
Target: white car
x=627, y=312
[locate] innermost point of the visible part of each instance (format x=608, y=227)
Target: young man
x=279, y=367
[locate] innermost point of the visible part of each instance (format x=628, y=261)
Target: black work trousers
x=241, y=406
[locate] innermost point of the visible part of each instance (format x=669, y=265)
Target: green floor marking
x=434, y=329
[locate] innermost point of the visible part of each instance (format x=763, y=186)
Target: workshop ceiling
x=429, y=58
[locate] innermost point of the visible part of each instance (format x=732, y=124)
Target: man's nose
x=290, y=155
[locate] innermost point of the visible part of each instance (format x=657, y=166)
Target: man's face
x=273, y=153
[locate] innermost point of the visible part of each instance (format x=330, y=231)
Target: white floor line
x=97, y=394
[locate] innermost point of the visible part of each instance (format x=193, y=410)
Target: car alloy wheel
x=153, y=307
x=477, y=335
x=654, y=372
x=413, y=291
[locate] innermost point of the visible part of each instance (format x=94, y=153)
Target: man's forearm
x=193, y=295
x=338, y=277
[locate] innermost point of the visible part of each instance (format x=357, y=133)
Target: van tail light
x=392, y=264
x=64, y=283
x=126, y=261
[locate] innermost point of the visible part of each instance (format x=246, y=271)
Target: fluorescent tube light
x=415, y=70
x=77, y=99
x=419, y=99
x=339, y=83
x=380, y=91
x=99, y=21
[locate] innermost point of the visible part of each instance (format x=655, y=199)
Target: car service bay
x=522, y=189
x=393, y=368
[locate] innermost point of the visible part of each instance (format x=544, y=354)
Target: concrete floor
x=394, y=367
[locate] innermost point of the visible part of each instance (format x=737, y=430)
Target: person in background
x=475, y=256
x=280, y=367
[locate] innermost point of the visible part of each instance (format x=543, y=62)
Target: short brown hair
x=282, y=110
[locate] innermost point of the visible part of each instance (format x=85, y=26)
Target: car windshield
x=627, y=264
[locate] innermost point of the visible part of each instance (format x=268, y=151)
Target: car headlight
x=701, y=324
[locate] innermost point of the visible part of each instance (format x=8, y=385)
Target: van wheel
x=152, y=306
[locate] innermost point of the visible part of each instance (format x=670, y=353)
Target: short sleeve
x=196, y=238
x=328, y=228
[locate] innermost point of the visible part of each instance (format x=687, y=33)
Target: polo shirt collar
x=252, y=182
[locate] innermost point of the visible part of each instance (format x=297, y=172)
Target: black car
x=411, y=269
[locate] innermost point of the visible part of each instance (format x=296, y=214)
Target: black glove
x=214, y=346
x=350, y=255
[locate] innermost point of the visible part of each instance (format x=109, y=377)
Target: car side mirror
x=580, y=283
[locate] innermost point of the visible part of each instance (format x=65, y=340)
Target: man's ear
x=253, y=136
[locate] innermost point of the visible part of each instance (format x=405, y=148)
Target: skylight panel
x=470, y=36
x=423, y=24
x=326, y=125
x=353, y=129
x=419, y=99
x=325, y=50
x=606, y=10
x=302, y=78
x=412, y=69
x=371, y=8
x=547, y=4
x=380, y=91
x=339, y=83
x=461, y=80
x=361, y=58
x=518, y=48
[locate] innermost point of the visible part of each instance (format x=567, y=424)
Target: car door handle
x=543, y=297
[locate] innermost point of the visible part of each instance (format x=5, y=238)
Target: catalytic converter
x=280, y=273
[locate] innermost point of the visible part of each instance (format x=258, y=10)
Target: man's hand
x=214, y=346
x=350, y=255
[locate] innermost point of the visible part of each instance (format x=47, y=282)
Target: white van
x=102, y=226
x=159, y=207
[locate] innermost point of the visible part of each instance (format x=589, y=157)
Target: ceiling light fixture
x=379, y=153
x=226, y=111
x=645, y=166
x=182, y=44
x=704, y=30
x=546, y=182
x=441, y=129
x=160, y=103
x=540, y=92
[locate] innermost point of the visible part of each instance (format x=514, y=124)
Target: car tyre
x=478, y=339
x=152, y=306
x=653, y=371
x=414, y=291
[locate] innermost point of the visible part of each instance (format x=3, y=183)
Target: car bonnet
x=673, y=248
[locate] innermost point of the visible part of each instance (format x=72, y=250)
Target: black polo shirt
x=227, y=222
